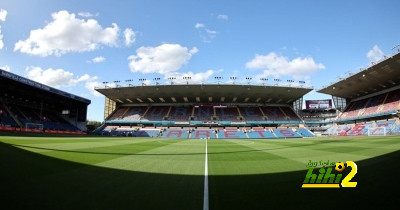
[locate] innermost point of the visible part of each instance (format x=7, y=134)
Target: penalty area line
x=205, y=197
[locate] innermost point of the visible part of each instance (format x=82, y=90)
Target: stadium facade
x=367, y=102
x=29, y=106
x=205, y=110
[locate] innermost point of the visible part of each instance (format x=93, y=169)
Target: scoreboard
x=319, y=104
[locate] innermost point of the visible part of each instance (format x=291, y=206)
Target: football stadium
x=202, y=146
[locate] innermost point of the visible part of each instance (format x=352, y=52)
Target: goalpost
x=378, y=131
x=35, y=126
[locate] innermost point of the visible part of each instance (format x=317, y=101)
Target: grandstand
x=365, y=103
x=318, y=115
x=196, y=111
x=29, y=106
x=369, y=100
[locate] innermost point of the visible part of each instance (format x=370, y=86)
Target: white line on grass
x=205, y=200
x=225, y=145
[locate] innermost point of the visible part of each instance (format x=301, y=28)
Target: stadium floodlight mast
x=349, y=73
x=218, y=79
x=302, y=83
x=156, y=80
x=290, y=82
x=116, y=82
x=277, y=81
x=187, y=80
x=171, y=79
x=129, y=82
x=263, y=79
x=142, y=80
x=105, y=84
x=233, y=79
x=397, y=47
x=249, y=80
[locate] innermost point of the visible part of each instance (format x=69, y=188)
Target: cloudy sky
x=76, y=45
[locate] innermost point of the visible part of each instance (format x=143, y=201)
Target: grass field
x=146, y=173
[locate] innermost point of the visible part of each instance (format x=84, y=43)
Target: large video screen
x=319, y=104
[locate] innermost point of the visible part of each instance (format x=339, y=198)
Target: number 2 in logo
x=346, y=181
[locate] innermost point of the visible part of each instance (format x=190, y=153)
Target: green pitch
x=150, y=173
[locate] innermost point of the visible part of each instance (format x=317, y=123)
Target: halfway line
x=205, y=200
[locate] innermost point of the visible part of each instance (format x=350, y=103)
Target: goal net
x=35, y=126
x=378, y=131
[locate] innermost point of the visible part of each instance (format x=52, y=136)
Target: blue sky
x=76, y=45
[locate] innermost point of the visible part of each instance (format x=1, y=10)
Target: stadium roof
x=378, y=77
x=205, y=93
x=15, y=86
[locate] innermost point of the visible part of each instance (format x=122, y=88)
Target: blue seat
x=305, y=132
x=286, y=133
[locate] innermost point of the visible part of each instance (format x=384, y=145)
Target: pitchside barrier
x=27, y=130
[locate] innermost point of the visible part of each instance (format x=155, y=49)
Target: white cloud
x=93, y=83
x=3, y=15
x=223, y=17
x=195, y=78
x=162, y=59
x=276, y=65
x=130, y=36
x=211, y=33
x=65, y=34
x=206, y=34
x=1, y=40
x=199, y=25
x=375, y=54
x=5, y=68
x=98, y=59
x=87, y=14
x=55, y=77
x=61, y=78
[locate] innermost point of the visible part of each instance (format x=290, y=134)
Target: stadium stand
x=135, y=113
x=358, y=129
x=369, y=100
x=274, y=113
x=147, y=133
x=215, y=111
x=203, y=133
x=28, y=106
x=231, y=133
x=286, y=133
x=392, y=101
x=156, y=113
x=290, y=114
x=204, y=119
x=260, y=133
x=305, y=132
x=227, y=114
x=382, y=104
x=366, y=110
x=396, y=127
x=119, y=114
x=251, y=113
x=373, y=104
x=180, y=113
x=203, y=113
x=175, y=133
x=391, y=127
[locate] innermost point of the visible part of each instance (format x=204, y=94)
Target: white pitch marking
x=205, y=200
x=225, y=145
